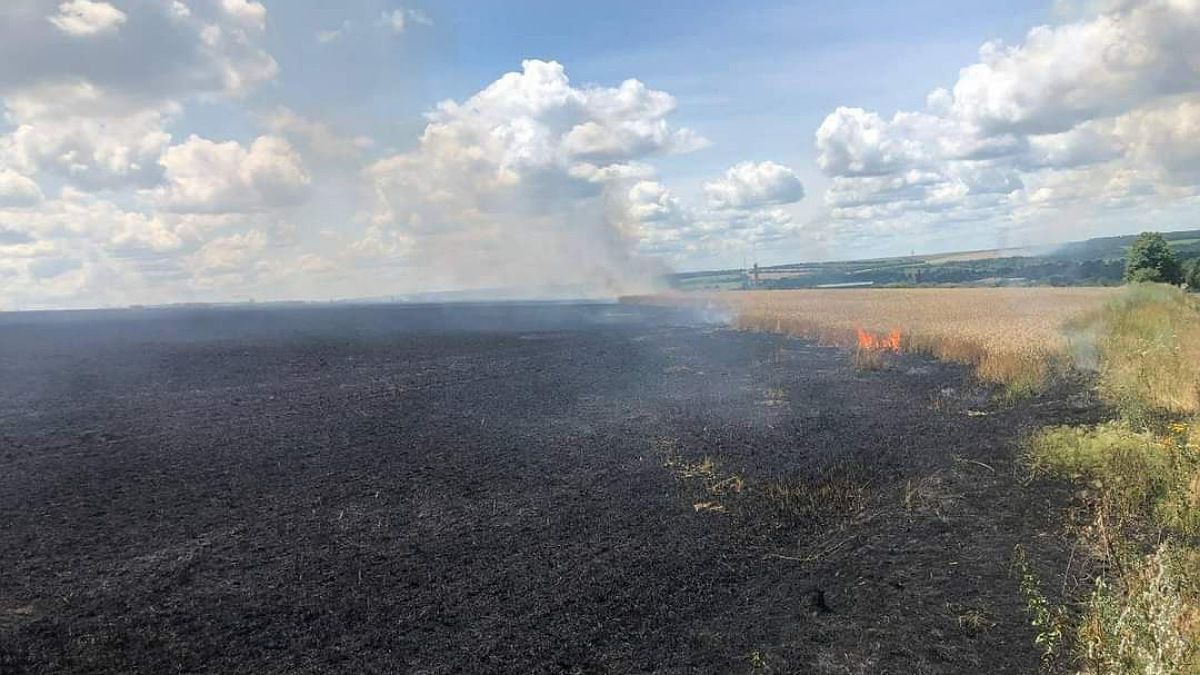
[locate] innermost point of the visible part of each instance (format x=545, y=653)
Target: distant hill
x=1093, y=262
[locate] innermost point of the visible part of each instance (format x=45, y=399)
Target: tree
x=1151, y=259
x=1192, y=277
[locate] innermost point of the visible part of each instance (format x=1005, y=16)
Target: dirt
x=506, y=488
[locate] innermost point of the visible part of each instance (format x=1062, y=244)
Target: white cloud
x=398, y=20
x=248, y=14
x=231, y=254
x=1163, y=138
x=1061, y=76
x=109, y=254
x=84, y=18
x=312, y=263
x=204, y=176
x=525, y=182
x=327, y=36
x=17, y=190
x=82, y=133
x=98, y=204
x=95, y=112
x=1097, y=113
x=316, y=136
x=663, y=226
x=855, y=142
x=749, y=185
x=166, y=50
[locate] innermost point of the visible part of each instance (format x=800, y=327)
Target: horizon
x=550, y=295
x=157, y=152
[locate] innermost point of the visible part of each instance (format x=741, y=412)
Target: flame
x=870, y=341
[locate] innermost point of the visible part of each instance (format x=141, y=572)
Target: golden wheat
x=1012, y=336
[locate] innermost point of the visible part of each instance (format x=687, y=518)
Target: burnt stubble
x=484, y=488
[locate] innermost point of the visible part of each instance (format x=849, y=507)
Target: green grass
x=1140, y=477
x=1137, y=478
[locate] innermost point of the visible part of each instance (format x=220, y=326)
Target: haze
x=157, y=151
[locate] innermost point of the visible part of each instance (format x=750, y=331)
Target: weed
x=1142, y=623
x=1049, y=620
x=1141, y=474
x=1134, y=477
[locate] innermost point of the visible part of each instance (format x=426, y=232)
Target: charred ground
x=498, y=488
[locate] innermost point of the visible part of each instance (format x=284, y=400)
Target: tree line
x=1151, y=259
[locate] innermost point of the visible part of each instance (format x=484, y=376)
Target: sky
x=159, y=151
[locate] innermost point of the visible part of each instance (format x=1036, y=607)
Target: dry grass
x=792, y=499
x=1012, y=336
x=1148, y=351
x=1142, y=473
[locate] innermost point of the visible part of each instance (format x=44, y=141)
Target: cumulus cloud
x=1096, y=113
x=165, y=51
x=83, y=18
x=526, y=183
x=98, y=202
x=1164, y=138
x=247, y=14
x=728, y=222
x=754, y=185
x=111, y=254
x=317, y=137
x=18, y=190
x=231, y=254
x=96, y=112
x=1061, y=76
x=204, y=176
x=79, y=132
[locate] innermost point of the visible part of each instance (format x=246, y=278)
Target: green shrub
x=1151, y=259
x=1145, y=622
x=1137, y=477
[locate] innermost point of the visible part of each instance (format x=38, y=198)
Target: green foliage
x=1151, y=259
x=1191, y=275
x=1140, y=475
x=1142, y=623
x=1137, y=478
x=1047, y=618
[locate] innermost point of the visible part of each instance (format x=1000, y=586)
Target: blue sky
x=176, y=150
x=755, y=77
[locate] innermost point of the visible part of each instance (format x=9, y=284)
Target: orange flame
x=869, y=341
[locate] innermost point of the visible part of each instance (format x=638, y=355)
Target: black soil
x=503, y=489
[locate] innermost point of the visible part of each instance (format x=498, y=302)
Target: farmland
x=499, y=488
x=1011, y=336
x=1091, y=262
x=1138, y=516
x=685, y=483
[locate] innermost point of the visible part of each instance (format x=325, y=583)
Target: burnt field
x=504, y=488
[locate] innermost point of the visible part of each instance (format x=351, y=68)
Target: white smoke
x=525, y=186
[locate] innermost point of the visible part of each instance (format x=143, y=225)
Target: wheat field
x=1012, y=336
